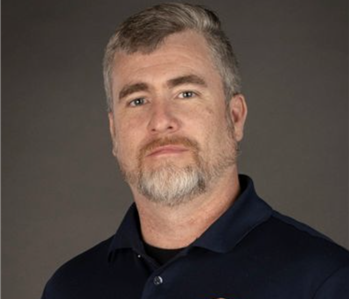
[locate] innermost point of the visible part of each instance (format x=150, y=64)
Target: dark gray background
x=61, y=191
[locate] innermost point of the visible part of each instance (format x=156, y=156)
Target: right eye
x=137, y=102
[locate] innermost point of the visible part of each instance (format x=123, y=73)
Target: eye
x=137, y=102
x=187, y=95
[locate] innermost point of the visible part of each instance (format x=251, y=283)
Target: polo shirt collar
x=247, y=212
x=128, y=235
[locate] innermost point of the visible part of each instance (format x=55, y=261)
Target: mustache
x=178, y=140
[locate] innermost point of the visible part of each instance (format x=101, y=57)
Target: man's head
x=173, y=127
x=146, y=31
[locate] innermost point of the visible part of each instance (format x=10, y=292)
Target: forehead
x=180, y=53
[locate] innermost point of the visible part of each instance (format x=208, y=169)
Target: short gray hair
x=146, y=30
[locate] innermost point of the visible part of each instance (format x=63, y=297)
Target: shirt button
x=158, y=280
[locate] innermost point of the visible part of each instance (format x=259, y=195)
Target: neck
x=177, y=227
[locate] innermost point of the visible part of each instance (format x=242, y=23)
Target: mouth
x=167, y=150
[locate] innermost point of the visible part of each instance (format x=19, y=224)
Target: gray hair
x=146, y=30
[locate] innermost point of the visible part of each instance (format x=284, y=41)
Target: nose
x=162, y=119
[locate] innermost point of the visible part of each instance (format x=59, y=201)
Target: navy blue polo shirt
x=250, y=252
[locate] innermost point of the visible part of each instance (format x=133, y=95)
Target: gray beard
x=171, y=185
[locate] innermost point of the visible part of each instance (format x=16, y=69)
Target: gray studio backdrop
x=61, y=190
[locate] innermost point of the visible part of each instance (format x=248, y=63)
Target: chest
x=211, y=276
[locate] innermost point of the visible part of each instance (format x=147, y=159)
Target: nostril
x=157, y=129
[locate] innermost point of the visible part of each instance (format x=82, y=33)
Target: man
x=197, y=229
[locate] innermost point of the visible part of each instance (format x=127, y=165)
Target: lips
x=167, y=149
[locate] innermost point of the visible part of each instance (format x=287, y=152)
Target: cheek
x=216, y=128
x=128, y=138
x=204, y=126
x=211, y=120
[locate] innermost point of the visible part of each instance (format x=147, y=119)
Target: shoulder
x=82, y=268
x=293, y=253
x=300, y=244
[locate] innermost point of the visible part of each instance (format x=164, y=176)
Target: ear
x=238, y=114
x=112, y=132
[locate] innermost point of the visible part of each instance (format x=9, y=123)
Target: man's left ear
x=238, y=114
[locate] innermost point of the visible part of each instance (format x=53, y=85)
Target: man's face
x=172, y=132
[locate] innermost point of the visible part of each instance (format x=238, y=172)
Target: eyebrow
x=188, y=79
x=136, y=87
x=132, y=88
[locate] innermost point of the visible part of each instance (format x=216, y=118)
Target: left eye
x=186, y=94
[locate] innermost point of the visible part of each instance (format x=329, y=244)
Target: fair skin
x=162, y=106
